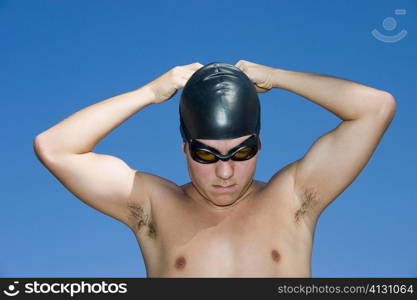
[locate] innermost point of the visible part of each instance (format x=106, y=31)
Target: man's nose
x=224, y=169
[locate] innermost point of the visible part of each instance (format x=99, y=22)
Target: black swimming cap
x=219, y=101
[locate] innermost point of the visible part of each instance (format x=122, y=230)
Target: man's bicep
x=336, y=159
x=101, y=181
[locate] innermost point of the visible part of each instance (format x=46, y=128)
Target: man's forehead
x=224, y=144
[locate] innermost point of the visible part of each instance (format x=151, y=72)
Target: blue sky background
x=57, y=57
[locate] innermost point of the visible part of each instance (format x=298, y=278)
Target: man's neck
x=196, y=196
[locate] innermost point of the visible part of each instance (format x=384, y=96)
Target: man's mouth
x=224, y=187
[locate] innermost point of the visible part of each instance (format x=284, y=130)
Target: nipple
x=180, y=263
x=275, y=255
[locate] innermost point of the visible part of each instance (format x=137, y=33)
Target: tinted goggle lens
x=244, y=154
x=205, y=155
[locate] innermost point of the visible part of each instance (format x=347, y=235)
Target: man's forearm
x=346, y=99
x=80, y=132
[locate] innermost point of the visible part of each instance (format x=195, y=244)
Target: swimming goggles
x=207, y=155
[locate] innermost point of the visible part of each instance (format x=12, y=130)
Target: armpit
x=308, y=199
x=141, y=220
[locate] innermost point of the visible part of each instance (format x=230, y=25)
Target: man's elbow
x=388, y=106
x=39, y=148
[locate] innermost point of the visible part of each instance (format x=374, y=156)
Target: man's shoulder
x=153, y=185
x=284, y=176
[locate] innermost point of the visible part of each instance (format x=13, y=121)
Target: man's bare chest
x=228, y=250
x=259, y=241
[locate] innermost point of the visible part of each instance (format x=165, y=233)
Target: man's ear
x=183, y=148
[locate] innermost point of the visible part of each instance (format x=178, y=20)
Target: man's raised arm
x=336, y=158
x=102, y=181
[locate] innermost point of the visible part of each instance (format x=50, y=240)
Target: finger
x=239, y=64
x=181, y=82
x=195, y=66
x=188, y=73
x=185, y=76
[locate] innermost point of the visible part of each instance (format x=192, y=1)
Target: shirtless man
x=250, y=229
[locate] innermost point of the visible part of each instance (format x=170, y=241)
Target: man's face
x=208, y=179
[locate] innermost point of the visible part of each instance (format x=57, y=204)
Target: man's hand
x=260, y=75
x=167, y=85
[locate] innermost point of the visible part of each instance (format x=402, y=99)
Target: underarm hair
x=141, y=219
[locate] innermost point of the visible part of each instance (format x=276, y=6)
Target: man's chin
x=223, y=199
